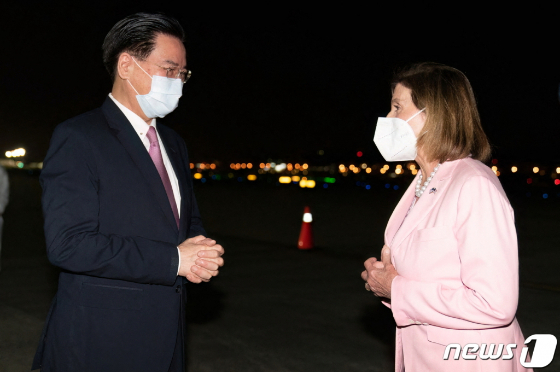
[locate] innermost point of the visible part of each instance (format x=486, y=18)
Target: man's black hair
x=136, y=35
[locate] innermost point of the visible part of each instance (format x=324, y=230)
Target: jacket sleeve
x=487, y=249
x=196, y=227
x=195, y=224
x=71, y=211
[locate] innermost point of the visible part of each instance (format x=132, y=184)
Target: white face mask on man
x=163, y=97
x=395, y=138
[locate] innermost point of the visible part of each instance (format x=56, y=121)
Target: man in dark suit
x=121, y=220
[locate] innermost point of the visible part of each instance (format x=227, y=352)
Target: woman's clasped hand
x=379, y=275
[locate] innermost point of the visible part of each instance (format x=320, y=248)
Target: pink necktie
x=155, y=154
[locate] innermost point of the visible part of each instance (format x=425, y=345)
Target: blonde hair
x=452, y=130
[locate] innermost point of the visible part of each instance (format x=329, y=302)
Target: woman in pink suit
x=449, y=267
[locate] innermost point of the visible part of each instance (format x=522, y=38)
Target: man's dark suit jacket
x=110, y=228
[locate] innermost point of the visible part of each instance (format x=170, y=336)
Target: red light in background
x=557, y=181
x=360, y=154
x=494, y=161
x=529, y=181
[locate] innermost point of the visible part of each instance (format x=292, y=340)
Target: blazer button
x=178, y=289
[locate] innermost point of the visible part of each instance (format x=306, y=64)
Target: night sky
x=283, y=84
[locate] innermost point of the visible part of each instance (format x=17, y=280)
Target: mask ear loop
x=140, y=69
x=132, y=87
x=413, y=116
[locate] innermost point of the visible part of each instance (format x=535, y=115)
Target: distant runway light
x=285, y=179
x=15, y=153
x=513, y=169
x=280, y=167
x=535, y=169
x=306, y=183
x=197, y=176
x=252, y=177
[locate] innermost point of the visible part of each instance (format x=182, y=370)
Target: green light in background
x=19, y=164
x=330, y=179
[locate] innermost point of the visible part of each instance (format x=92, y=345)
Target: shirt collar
x=136, y=121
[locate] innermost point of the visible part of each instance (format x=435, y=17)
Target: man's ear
x=125, y=66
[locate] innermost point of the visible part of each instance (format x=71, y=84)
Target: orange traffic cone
x=306, y=235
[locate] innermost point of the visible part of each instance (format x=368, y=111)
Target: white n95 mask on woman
x=395, y=138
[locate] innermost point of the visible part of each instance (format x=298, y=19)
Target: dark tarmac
x=273, y=307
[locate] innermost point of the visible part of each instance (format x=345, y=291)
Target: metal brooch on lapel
x=433, y=190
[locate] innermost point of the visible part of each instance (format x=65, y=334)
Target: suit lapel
x=135, y=148
x=423, y=206
x=180, y=173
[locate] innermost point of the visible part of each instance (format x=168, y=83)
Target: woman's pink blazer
x=456, y=255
